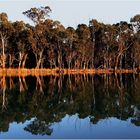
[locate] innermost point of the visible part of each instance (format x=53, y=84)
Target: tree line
x=48, y=44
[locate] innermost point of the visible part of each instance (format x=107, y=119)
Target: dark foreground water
x=75, y=106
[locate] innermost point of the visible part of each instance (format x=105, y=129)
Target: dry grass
x=57, y=72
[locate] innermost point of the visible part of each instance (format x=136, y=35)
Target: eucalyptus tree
x=124, y=40
x=58, y=41
x=109, y=41
x=38, y=16
x=84, y=45
x=5, y=31
x=41, y=44
x=56, y=38
x=136, y=51
x=70, y=50
x=94, y=27
x=135, y=21
x=22, y=42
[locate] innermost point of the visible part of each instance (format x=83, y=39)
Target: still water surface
x=74, y=106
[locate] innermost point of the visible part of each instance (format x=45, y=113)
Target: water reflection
x=49, y=99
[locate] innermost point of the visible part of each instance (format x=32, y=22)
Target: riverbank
x=57, y=72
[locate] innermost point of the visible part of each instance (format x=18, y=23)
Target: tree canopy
x=49, y=44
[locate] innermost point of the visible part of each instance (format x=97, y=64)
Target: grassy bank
x=57, y=72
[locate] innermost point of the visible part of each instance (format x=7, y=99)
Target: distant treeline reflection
x=49, y=99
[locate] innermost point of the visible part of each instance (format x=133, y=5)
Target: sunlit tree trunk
x=21, y=55
x=59, y=59
x=24, y=60
x=3, y=41
x=39, y=60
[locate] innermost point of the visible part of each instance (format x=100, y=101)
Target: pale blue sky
x=73, y=12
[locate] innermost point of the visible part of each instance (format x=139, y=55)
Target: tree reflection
x=39, y=127
x=4, y=98
x=49, y=99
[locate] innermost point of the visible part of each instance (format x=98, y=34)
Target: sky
x=74, y=12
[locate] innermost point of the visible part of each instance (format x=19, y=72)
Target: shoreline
x=57, y=72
